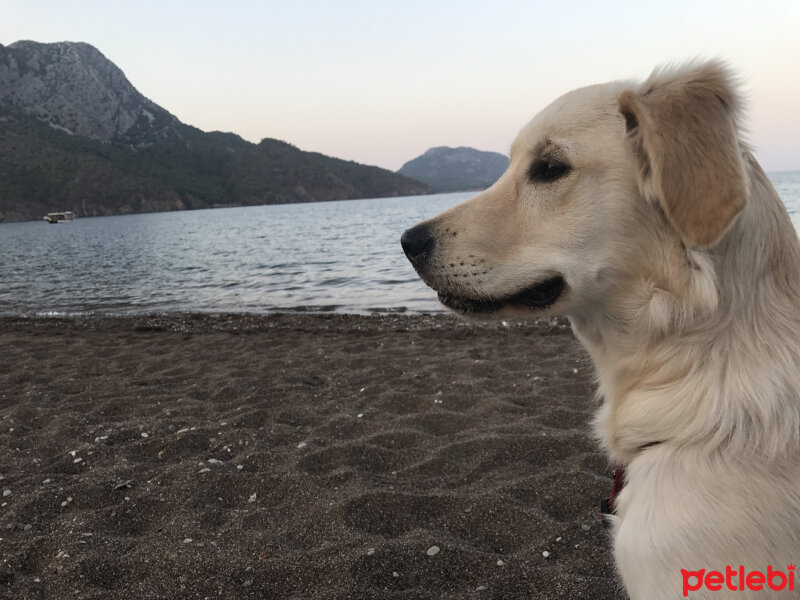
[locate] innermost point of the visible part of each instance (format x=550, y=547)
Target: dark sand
x=298, y=456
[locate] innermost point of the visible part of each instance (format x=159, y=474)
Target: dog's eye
x=548, y=169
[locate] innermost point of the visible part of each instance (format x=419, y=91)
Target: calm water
x=328, y=256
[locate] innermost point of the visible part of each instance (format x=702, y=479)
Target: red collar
x=619, y=481
x=609, y=506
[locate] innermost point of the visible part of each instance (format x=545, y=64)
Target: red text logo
x=738, y=579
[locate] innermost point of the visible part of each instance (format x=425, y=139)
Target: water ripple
x=331, y=256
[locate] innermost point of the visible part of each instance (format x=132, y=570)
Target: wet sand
x=298, y=457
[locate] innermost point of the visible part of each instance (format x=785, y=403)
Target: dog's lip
x=538, y=296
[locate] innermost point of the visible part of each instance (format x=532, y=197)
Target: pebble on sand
x=301, y=445
x=6, y=493
x=433, y=551
x=545, y=554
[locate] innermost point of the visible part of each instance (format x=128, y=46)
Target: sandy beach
x=299, y=456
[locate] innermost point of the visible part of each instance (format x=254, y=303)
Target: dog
x=636, y=210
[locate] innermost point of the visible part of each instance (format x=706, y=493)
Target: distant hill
x=76, y=135
x=456, y=169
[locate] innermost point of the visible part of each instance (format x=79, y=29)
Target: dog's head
x=610, y=184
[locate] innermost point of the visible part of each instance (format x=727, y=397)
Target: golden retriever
x=636, y=210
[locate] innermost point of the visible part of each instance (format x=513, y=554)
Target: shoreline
x=305, y=455
x=223, y=318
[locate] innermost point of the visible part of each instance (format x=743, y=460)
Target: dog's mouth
x=537, y=297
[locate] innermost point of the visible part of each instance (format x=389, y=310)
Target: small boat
x=60, y=217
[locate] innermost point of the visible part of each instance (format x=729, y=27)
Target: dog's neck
x=710, y=360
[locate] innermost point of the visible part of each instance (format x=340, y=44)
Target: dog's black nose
x=417, y=243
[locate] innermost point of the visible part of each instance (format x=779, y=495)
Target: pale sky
x=380, y=82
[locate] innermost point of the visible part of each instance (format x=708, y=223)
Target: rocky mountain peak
x=448, y=169
x=74, y=88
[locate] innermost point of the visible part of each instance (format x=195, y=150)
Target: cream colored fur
x=683, y=282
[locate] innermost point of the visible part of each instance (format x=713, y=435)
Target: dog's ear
x=682, y=127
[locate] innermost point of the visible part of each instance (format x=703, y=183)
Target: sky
x=380, y=82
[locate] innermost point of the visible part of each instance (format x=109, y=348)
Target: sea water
x=340, y=256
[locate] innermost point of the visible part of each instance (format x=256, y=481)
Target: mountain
x=74, y=88
x=274, y=172
x=456, y=169
x=76, y=135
